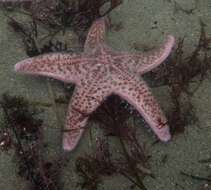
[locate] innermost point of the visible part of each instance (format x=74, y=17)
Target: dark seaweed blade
x=57, y=16
x=130, y=161
x=178, y=74
x=22, y=132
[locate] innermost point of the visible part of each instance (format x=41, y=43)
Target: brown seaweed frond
x=70, y=13
x=91, y=168
x=22, y=133
x=30, y=35
x=11, y=5
x=184, y=75
x=129, y=161
x=182, y=71
x=58, y=16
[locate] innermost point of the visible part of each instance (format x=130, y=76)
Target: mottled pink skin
x=99, y=72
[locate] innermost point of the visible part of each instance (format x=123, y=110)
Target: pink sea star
x=99, y=72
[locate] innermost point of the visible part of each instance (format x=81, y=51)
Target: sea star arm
x=96, y=34
x=61, y=66
x=86, y=98
x=145, y=62
x=137, y=93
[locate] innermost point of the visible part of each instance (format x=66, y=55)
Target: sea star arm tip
x=84, y=101
x=144, y=62
x=138, y=94
x=96, y=34
x=157, y=56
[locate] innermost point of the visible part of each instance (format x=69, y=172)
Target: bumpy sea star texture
x=98, y=72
